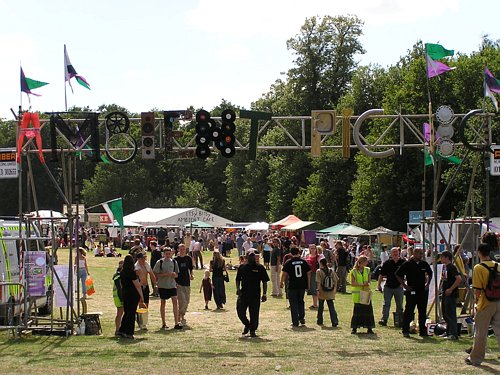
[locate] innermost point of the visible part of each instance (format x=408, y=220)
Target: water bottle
x=82, y=327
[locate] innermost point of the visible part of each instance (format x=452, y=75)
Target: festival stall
x=165, y=217
x=290, y=219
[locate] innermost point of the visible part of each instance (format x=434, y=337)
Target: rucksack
x=328, y=283
x=492, y=290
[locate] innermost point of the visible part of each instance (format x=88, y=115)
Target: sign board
x=104, y=219
x=36, y=271
x=8, y=165
x=81, y=209
x=495, y=160
x=415, y=217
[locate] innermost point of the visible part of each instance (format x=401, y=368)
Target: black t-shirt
x=389, y=270
x=449, y=277
x=217, y=271
x=275, y=254
x=415, y=273
x=297, y=269
x=185, y=264
x=250, y=276
x=127, y=278
x=342, y=257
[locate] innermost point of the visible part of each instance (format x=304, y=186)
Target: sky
x=169, y=55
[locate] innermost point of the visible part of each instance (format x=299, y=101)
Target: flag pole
x=65, y=96
x=21, y=94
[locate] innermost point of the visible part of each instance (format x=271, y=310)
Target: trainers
x=245, y=331
x=382, y=323
x=319, y=323
x=353, y=331
x=164, y=327
x=302, y=322
x=252, y=334
x=469, y=362
x=206, y=307
x=370, y=331
x=451, y=337
x=293, y=325
x=178, y=326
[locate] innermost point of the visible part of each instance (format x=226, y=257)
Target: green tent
x=198, y=224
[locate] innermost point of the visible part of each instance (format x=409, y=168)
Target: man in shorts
x=166, y=271
x=143, y=269
x=184, y=277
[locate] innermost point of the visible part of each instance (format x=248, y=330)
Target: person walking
x=132, y=296
x=341, y=259
x=183, y=280
x=487, y=311
x=143, y=269
x=218, y=267
x=248, y=279
x=327, y=281
x=392, y=287
x=166, y=270
x=118, y=297
x=298, y=273
x=83, y=270
x=362, y=314
x=415, y=276
x=207, y=287
x=451, y=280
x=312, y=260
x=276, y=267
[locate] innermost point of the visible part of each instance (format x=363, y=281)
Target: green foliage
x=194, y=194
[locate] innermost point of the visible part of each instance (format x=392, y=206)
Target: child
x=326, y=292
x=206, y=285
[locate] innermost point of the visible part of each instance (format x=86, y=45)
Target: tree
x=325, y=52
x=194, y=194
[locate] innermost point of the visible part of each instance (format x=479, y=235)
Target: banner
x=62, y=271
x=36, y=265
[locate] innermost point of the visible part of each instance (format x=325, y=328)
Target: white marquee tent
x=176, y=217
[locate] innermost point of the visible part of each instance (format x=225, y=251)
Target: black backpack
x=492, y=290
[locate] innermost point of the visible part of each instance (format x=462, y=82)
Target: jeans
x=397, y=293
x=297, y=310
x=449, y=307
x=331, y=308
x=82, y=275
x=342, y=274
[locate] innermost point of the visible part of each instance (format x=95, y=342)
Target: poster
x=36, y=266
x=62, y=271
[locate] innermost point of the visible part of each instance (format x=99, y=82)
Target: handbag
x=226, y=277
x=365, y=297
x=89, y=283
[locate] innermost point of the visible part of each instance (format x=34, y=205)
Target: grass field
x=212, y=342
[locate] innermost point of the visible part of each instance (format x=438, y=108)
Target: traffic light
x=227, y=138
x=148, y=135
x=203, y=133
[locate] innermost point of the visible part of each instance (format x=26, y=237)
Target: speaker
x=148, y=135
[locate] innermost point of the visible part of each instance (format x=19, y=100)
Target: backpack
x=492, y=290
x=328, y=283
